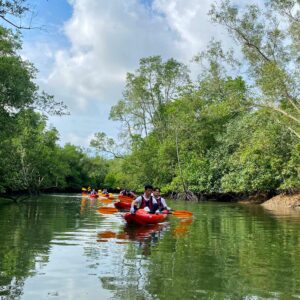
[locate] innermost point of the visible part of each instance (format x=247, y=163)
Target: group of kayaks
x=97, y=195
x=140, y=217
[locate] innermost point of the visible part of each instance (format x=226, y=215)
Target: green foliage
x=269, y=40
x=291, y=170
x=16, y=75
x=30, y=159
x=224, y=132
x=229, y=131
x=153, y=85
x=223, y=144
x=259, y=158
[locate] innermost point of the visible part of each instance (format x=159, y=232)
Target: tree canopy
x=236, y=128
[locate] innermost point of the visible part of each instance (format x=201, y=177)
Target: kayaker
x=128, y=193
x=161, y=202
x=145, y=201
x=132, y=194
x=105, y=192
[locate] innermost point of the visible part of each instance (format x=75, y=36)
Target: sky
x=86, y=47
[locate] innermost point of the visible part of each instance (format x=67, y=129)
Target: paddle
x=181, y=213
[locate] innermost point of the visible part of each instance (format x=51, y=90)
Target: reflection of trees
x=25, y=234
x=225, y=252
x=230, y=252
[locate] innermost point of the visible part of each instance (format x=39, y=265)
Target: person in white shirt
x=145, y=201
x=161, y=202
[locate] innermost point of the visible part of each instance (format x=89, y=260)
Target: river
x=60, y=247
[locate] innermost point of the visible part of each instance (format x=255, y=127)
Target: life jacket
x=148, y=203
x=159, y=203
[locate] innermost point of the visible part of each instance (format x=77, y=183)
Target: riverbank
x=274, y=202
x=268, y=200
x=283, y=201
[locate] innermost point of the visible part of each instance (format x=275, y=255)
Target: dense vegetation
x=236, y=128
x=31, y=160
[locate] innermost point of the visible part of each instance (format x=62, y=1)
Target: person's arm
x=135, y=202
x=133, y=194
x=164, y=203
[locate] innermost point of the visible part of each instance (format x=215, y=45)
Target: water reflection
x=144, y=233
x=105, y=200
x=144, y=236
x=62, y=247
x=25, y=234
x=182, y=227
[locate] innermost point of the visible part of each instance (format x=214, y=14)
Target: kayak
x=109, y=196
x=141, y=217
x=122, y=205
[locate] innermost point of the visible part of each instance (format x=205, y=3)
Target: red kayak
x=122, y=205
x=141, y=217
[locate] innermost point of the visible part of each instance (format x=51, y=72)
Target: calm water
x=60, y=247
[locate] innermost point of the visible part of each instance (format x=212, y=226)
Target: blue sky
x=88, y=46
x=50, y=15
x=49, y=18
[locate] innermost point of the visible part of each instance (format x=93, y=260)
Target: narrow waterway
x=60, y=247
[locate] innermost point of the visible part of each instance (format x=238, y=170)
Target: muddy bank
x=258, y=198
x=283, y=201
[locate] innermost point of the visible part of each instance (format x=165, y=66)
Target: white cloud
x=106, y=40
x=189, y=19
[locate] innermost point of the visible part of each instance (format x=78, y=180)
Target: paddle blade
x=107, y=210
x=182, y=214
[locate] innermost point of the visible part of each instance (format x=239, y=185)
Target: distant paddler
x=128, y=193
x=93, y=194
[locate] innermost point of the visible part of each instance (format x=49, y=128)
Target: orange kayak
x=109, y=196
